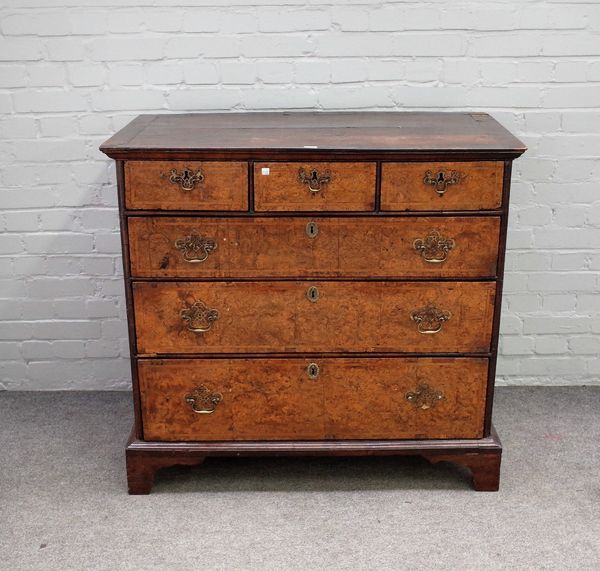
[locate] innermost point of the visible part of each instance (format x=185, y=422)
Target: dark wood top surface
x=411, y=132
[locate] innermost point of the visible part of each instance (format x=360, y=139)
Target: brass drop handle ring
x=195, y=248
x=441, y=180
x=186, y=179
x=203, y=401
x=199, y=317
x=430, y=319
x=313, y=179
x=422, y=329
x=434, y=248
x=203, y=258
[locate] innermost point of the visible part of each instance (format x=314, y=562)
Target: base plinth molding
x=481, y=456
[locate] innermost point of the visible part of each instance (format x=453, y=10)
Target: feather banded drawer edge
x=313, y=284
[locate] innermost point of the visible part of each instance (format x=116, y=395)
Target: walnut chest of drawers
x=312, y=284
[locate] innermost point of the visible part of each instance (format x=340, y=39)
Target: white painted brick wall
x=73, y=72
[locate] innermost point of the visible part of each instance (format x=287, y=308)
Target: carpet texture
x=64, y=506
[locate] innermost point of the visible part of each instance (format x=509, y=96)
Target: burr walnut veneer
x=313, y=283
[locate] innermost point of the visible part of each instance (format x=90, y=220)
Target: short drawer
x=314, y=186
x=442, y=186
x=312, y=398
x=314, y=246
x=263, y=317
x=186, y=185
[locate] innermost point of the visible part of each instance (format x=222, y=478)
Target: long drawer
x=307, y=316
x=314, y=246
x=312, y=399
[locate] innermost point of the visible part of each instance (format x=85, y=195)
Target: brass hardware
x=434, y=248
x=430, y=319
x=441, y=180
x=312, y=294
x=313, y=179
x=199, y=317
x=312, y=371
x=195, y=248
x=187, y=179
x=203, y=401
x=312, y=229
x=424, y=397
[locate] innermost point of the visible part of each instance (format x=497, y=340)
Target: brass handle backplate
x=434, y=248
x=313, y=179
x=441, y=180
x=195, y=248
x=430, y=319
x=203, y=401
x=186, y=179
x=424, y=397
x=199, y=317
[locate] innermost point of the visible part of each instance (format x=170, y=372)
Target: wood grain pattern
x=273, y=399
x=277, y=317
x=259, y=399
x=343, y=247
x=479, y=186
x=147, y=186
x=352, y=187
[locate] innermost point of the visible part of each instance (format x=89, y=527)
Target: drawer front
x=186, y=185
x=291, y=399
x=441, y=186
x=314, y=186
x=325, y=247
x=262, y=317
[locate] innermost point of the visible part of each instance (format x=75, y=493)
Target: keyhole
x=312, y=294
x=312, y=371
x=312, y=229
x=440, y=177
x=314, y=176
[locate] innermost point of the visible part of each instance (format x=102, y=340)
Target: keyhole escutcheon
x=312, y=229
x=312, y=371
x=312, y=293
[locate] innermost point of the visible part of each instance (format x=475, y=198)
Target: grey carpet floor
x=64, y=506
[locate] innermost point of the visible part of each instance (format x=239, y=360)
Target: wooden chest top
x=267, y=134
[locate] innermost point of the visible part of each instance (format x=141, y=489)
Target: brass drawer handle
x=195, y=248
x=199, y=317
x=430, y=319
x=442, y=179
x=186, y=179
x=203, y=401
x=434, y=248
x=313, y=179
x=424, y=397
